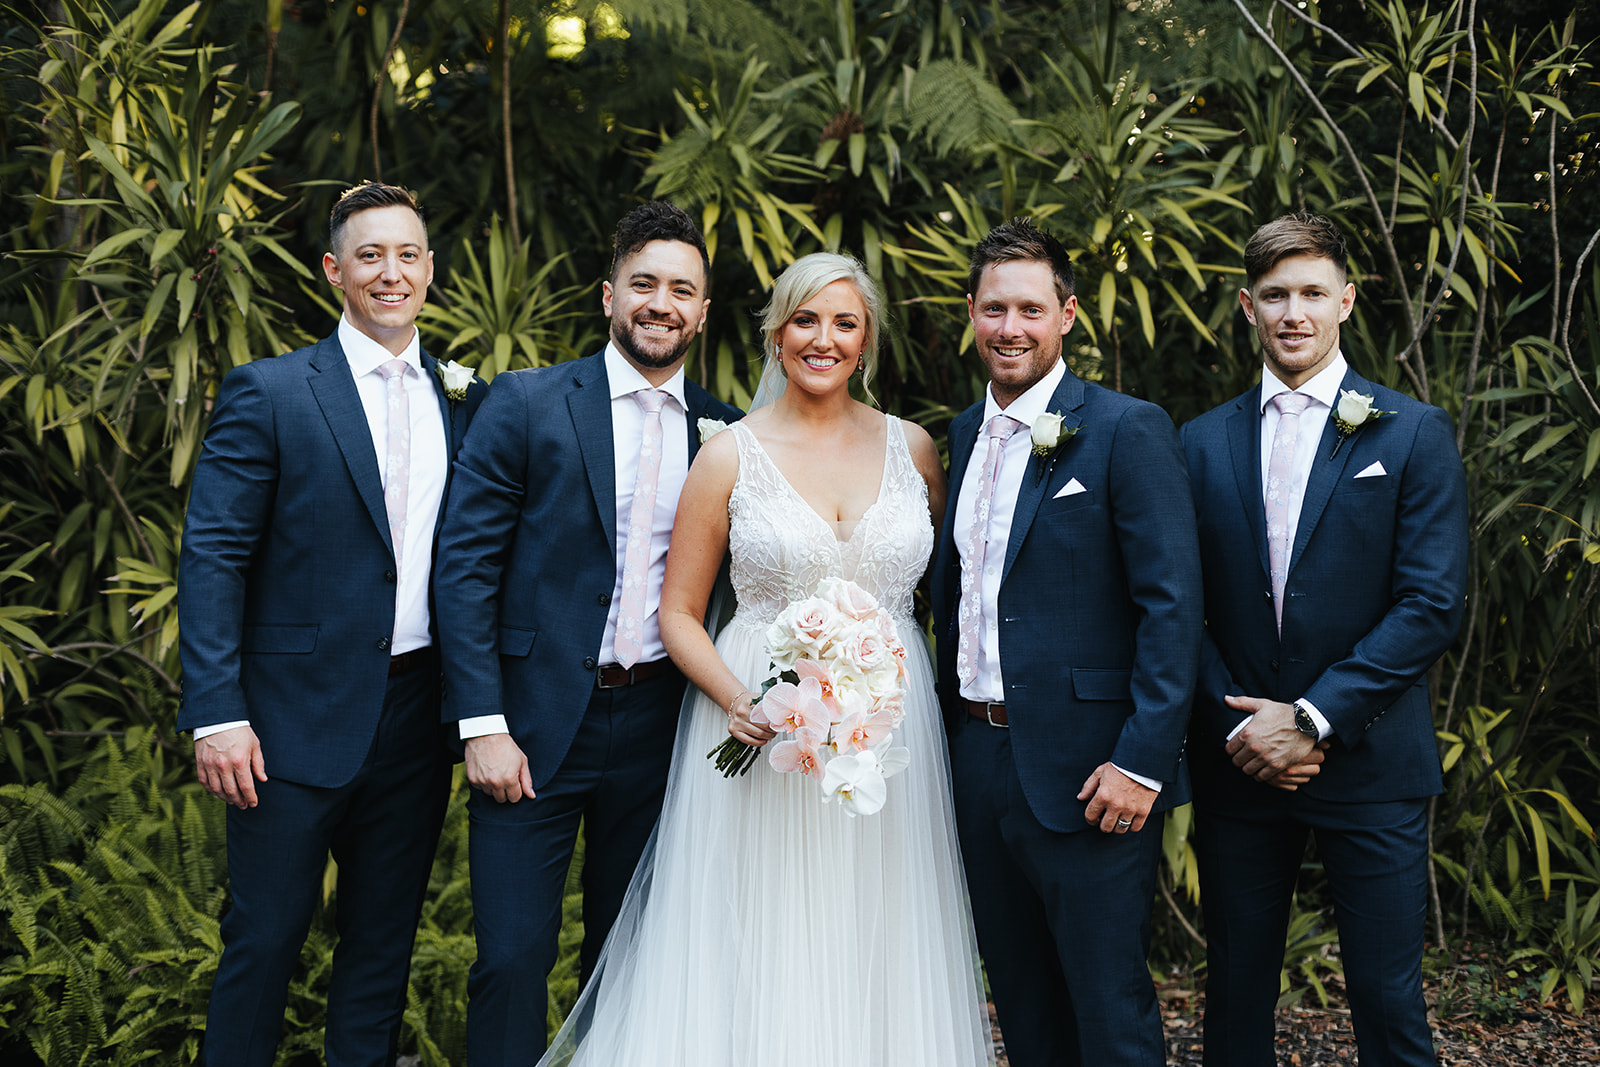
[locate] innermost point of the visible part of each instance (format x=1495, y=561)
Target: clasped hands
x=1270, y=749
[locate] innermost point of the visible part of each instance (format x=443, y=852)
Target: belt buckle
x=600, y=676
x=988, y=713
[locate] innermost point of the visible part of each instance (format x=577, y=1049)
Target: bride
x=764, y=927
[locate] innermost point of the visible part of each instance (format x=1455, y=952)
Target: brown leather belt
x=410, y=661
x=616, y=676
x=993, y=712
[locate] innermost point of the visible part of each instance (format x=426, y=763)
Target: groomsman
x=1333, y=532
x=550, y=567
x=307, y=640
x=1067, y=600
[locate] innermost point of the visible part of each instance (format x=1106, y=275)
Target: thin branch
x=124, y=649
x=505, y=121
x=1177, y=913
x=1360, y=171
x=1555, y=230
x=377, y=92
x=1566, y=322
x=1436, y=121
x=127, y=513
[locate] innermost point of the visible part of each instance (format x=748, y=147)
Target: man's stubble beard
x=622, y=336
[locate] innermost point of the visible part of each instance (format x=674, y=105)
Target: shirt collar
x=625, y=379
x=1323, y=388
x=366, y=355
x=1031, y=404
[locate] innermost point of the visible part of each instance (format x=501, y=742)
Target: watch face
x=1303, y=721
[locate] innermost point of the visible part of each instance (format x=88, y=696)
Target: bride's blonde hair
x=804, y=279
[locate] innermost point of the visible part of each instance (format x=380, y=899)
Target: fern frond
x=959, y=109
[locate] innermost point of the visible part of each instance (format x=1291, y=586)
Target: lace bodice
x=781, y=548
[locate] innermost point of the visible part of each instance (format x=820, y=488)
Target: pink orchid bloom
x=810, y=668
x=790, y=708
x=863, y=729
x=803, y=754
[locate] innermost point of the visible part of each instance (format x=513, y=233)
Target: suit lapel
x=452, y=432
x=590, y=406
x=334, y=387
x=1244, y=445
x=1325, y=474
x=1067, y=399
x=696, y=405
x=447, y=410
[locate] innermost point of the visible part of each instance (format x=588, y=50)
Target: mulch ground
x=1314, y=1036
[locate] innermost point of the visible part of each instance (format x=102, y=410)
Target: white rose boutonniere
x=709, y=428
x=1353, y=411
x=456, y=378
x=1048, y=435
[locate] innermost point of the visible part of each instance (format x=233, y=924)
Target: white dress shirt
x=627, y=437
x=1323, y=389
x=987, y=684
x=430, y=457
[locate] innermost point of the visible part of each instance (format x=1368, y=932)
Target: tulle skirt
x=764, y=928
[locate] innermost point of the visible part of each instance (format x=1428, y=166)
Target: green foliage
x=112, y=892
x=165, y=170
x=509, y=316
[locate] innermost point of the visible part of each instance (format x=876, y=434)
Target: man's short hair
x=1299, y=234
x=364, y=197
x=1020, y=239
x=657, y=221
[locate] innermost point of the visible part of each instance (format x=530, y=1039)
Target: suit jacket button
x=605, y=600
x=1273, y=664
x=1268, y=595
x=589, y=663
x=388, y=576
x=383, y=644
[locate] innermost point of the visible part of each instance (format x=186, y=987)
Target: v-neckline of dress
x=883, y=480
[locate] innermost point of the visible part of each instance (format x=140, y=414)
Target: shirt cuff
x=1148, y=783
x=217, y=728
x=482, y=725
x=1324, y=727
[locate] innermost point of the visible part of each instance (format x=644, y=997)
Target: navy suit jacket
x=286, y=578
x=1099, y=602
x=1374, y=594
x=527, y=560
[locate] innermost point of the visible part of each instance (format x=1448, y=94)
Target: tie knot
x=1001, y=427
x=1291, y=403
x=650, y=399
x=393, y=368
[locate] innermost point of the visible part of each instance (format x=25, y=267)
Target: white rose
x=1046, y=432
x=456, y=378
x=709, y=428
x=848, y=597
x=802, y=630
x=1354, y=408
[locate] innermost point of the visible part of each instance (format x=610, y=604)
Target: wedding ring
x=1123, y=824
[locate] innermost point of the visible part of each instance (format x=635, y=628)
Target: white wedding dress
x=763, y=927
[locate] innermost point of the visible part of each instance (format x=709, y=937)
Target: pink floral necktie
x=1280, y=490
x=397, y=458
x=1001, y=427
x=629, y=642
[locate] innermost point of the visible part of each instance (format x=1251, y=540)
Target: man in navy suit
x=310, y=678
x=550, y=567
x=1067, y=596
x=1333, y=532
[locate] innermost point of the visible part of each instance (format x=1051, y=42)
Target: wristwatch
x=1304, y=722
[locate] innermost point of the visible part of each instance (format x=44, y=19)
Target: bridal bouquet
x=835, y=693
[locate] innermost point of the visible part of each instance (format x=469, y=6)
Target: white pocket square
x=1072, y=488
x=1375, y=470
